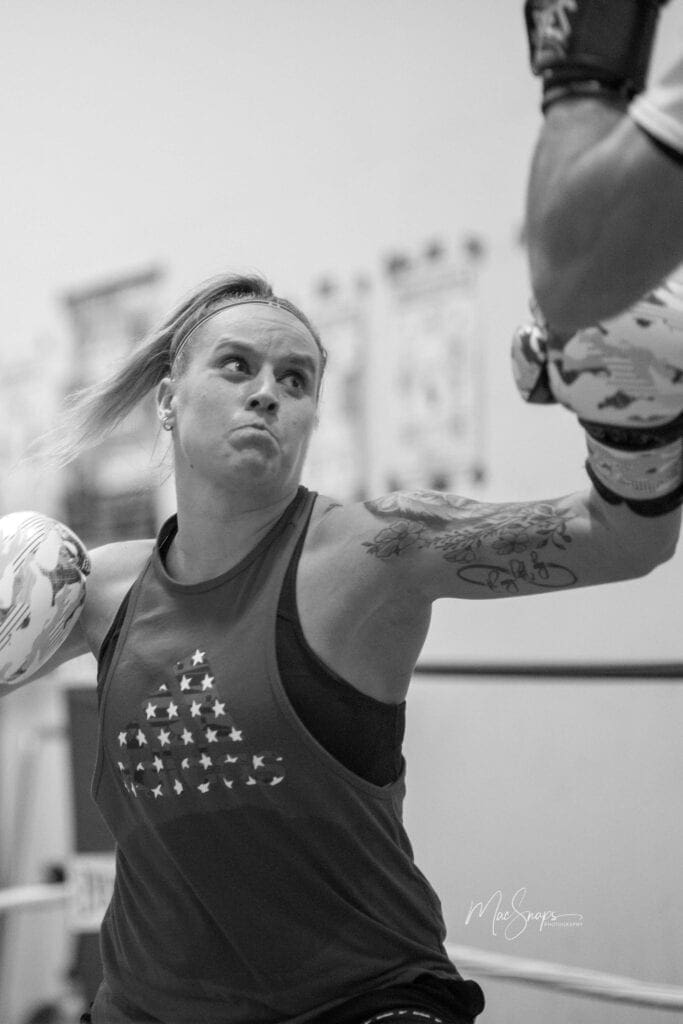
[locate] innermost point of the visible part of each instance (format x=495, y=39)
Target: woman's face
x=244, y=409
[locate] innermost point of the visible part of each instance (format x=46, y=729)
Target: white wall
x=570, y=789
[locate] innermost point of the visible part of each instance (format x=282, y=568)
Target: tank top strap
x=117, y=631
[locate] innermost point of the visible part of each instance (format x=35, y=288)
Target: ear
x=165, y=394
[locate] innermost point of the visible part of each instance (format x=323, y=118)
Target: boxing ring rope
x=643, y=671
x=22, y=897
x=579, y=981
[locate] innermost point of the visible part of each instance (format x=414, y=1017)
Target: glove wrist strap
x=636, y=476
x=588, y=89
x=660, y=507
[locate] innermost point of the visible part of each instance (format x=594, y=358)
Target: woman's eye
x=235, y=363
x=295, y=380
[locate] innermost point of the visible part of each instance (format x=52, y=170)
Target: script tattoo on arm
x=495, y=546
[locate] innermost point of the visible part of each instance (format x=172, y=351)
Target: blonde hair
x=93, y=412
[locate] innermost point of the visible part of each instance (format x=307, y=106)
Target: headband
x=272, y=301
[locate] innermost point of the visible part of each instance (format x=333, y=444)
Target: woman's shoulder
x=338, y=538
x=335, y=522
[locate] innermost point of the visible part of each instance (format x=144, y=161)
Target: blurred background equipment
x=338, y=461
x=108, y=493
x=439, y=386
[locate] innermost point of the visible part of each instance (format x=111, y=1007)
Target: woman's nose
x=264, y=395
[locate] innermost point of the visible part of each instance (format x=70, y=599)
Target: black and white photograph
x=341, y=474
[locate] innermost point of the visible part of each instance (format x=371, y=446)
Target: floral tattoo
x=466, y=533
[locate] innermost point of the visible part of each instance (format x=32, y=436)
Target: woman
x=253, y=666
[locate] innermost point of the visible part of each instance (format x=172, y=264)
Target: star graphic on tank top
x=250, y=781
x=257, y=760
x=230, y=760
x=235, y=734
x=218, y=709
x=121, y=765
x=187, y=737
x=228, y=783
x=164, y=737
x=204, y=787
x=122, y=739
x=163, y=688
x=207, y=682
x=211, y=735
x=150, y=710
x=205, y=761
x=185, y=683
x=185, y=763
x=196, y=708
x=139, y=767
x=157, y=790
x=158, y=763
x=178, y=786
x=276, y=778
x=141, y=738
x=172, y=710
x=198, y=657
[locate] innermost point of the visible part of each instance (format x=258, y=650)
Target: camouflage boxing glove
x=624, y=380
x=43, y=568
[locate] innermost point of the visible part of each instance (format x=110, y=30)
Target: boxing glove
x=43, y=568
x=623, y=378
x=591, y=47
x=530, y=359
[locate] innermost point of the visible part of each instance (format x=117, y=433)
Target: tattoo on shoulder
x=495, y=545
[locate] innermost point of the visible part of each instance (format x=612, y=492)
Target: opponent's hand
x=591, y=47
x=624, y=380
x=43, y=566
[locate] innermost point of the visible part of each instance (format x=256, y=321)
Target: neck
x=211, y=540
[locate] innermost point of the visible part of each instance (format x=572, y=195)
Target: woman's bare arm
x=442, y=545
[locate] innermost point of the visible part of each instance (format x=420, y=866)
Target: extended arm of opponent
x=604, y=211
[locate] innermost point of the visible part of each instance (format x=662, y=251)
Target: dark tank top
x=365, y=734
x=259, y=879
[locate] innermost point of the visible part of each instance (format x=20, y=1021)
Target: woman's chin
x=255, y=470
